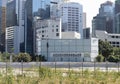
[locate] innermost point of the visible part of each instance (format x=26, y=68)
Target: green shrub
x=99, y=58
x=25, y=57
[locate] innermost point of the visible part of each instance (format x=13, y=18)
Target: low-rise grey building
x=113, y=39
x=75, y=50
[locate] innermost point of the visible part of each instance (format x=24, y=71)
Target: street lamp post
x=82, y=65
x=47, y=45
x=106, y=65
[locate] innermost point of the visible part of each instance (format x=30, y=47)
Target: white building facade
x=12, y=40
x=46, y=29
x=72, y=17
x=113, y=39
x=18, y=24
x=60, y=38
x=74, y=50
x=62, y=46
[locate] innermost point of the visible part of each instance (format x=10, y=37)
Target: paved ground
x=60, y=65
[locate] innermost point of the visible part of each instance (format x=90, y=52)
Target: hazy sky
x=91, y=7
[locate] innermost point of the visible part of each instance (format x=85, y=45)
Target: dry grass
x=50, y=76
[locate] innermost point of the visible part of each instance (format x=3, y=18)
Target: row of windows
x=57, y=34
x=43, y=31
x=47, y=26
x=115, y=36
x=73, y=11
x=72, y=29
x=73, y=20
x=66, y=55
x=73, y=24
x=70, y=7
x=114, y=42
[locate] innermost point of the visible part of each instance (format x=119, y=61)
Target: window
x=57, y=34
x=56, y=30
x=112, y=36
x=52, y=30
x=42, y=26
x=61, y=59
x=117, y=42
x=113, y=42
x=42, y=31
x=75, y=59
x=42, y=35
x=56, y=25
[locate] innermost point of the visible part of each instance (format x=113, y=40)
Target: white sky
x=91, y=7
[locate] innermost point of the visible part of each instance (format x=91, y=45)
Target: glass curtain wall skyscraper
x=2, y=24
x=16, y=17
x=117, y=17
x=104, y=19
x=21, y=15
x=41, y=8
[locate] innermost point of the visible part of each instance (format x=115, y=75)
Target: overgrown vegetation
x=25, y=57
x=107, y=52
x=50, y=76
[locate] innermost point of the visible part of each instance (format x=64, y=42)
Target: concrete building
x=72, y=17
x=2, y=24
x=63, y=46
x=60, y=38
x=12, y=40
x=74, y=50
x=113, y=39
x=16, y=18
x=70, y=35
x=21, y=16
x=87, y=33
x=84, y=20
x=48, y=29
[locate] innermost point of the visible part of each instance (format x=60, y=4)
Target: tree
x=105, y=49
x=99, y=58
x=38, y=58
x=5, y=56
x=113, y=58
x=116, y=51
x=25, y=57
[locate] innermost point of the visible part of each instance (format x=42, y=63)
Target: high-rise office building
x=106, y=9
x=41, y=8
x=15, y=12
x=11, y=16
x=117, y=6
x=104, y=20
x=72, y=17
x=2, y=24
x=16, y=18
x=84, y=20
x=28, y=34
x=117, y=16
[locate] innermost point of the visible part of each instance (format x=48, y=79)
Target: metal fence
x=20, y=67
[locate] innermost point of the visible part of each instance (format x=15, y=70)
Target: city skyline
x=88, y=6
